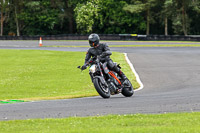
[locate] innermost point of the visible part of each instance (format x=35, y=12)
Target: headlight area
x=93, y=68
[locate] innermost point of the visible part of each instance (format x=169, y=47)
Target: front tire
x=101, y=89
x=128, y=91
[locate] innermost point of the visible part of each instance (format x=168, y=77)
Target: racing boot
x=122, y=75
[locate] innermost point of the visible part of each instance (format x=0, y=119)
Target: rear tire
x=128, y=91
x=101, y=89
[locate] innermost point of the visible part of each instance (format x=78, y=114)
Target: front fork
x=91, y=76
x=101, y=76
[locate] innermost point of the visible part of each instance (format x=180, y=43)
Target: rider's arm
x=107, y=51
x=87, y=57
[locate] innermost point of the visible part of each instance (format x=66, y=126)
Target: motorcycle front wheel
x=101, y=89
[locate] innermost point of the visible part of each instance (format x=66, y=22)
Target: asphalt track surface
x=171, y=78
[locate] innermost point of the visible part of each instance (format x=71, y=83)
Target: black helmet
x=93, y=40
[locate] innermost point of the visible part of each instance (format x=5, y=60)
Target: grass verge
x=139, y=123
x=104, y=41
x=41, y=74
x=139, y=45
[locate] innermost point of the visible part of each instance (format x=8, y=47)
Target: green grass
x=40, y=74
x=137, y=123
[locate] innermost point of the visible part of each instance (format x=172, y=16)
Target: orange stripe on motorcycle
x=113, y=75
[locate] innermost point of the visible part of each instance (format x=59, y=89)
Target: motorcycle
x=107, y=82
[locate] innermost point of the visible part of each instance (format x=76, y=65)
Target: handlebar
x=92, y=60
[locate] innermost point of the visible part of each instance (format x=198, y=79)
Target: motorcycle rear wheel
x=128, y=91
x=101, y=89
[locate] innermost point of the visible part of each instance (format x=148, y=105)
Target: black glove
x=84, y=67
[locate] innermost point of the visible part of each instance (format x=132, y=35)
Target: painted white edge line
x=136, y=74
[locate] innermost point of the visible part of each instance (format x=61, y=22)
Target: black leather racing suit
x=104, y=52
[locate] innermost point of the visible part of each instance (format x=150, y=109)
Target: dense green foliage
x=50, y=17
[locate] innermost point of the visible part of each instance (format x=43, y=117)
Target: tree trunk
x=17, y=22
x=148, y=19
x=166, y=26
x=184, y=21
x=71, y=25
x=70, y=16
x=2, y=19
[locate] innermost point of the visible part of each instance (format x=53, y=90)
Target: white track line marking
x=133, y=70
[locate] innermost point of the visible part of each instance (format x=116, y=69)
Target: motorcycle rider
x=103, y=51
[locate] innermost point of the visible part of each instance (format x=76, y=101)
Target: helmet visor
x=93, y=43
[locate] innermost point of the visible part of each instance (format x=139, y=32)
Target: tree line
x=51, y=17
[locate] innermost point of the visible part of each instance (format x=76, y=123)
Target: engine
x=112, y=88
